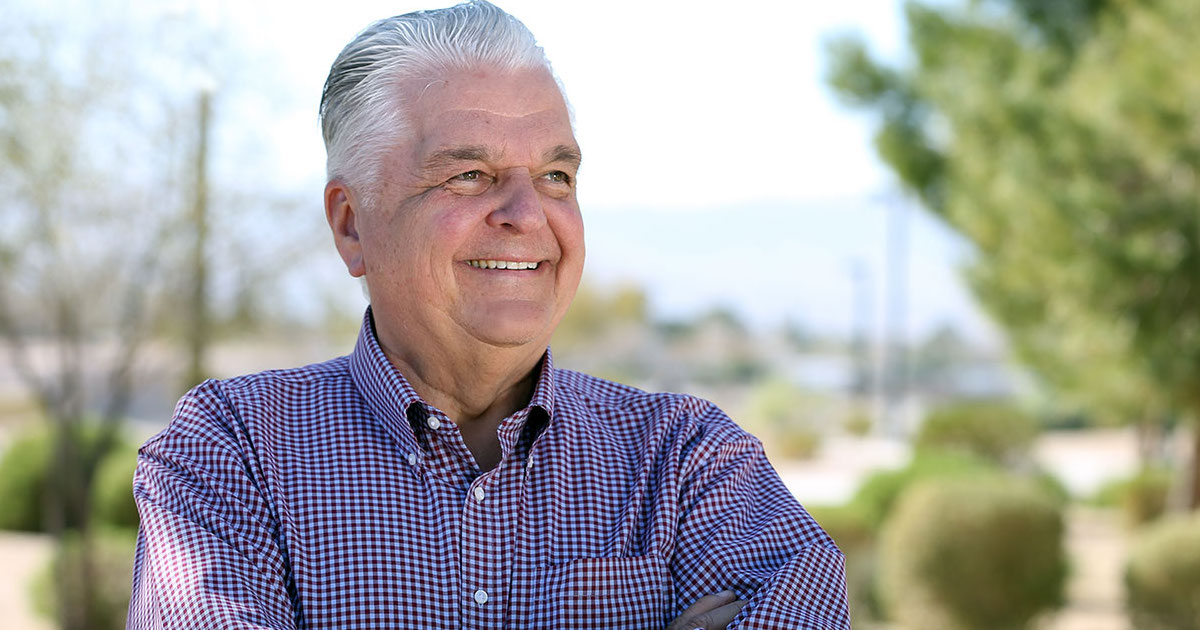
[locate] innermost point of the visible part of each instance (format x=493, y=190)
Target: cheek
x=568, y=227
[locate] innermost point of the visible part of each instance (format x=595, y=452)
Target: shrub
x=855, y=537
x=112, y=488
x=996, y=432
x=23, y=472
x=785, y=418
x=966, y=555
x=24, y=478
x=1141, y=498
x=112, y=570
x=858, y=424
x=878, y=493
x=1162, y=577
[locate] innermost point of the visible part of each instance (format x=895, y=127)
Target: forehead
x=516, y=110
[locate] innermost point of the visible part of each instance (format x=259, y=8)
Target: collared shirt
x=333, y=496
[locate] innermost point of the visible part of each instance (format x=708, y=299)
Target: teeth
x=501, y=264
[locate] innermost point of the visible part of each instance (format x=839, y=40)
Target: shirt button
x=412, y=459
x=433, y=423
x=481, y=597
x=479, y=497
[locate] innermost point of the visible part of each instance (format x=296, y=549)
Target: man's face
x=483, y=179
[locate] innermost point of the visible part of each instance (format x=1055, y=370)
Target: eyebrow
x=479, y=153
x=454, y=155
x=564, y=153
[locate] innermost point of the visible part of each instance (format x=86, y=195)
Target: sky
x=719, y=170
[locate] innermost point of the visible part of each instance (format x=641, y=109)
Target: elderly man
x=446, y=474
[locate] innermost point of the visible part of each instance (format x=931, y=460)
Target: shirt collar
x=389, y=395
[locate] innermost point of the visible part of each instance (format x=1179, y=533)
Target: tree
x=1062, y=140
x=97, y=148
x=77, y=254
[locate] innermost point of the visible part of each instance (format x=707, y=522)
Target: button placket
x=485, y=545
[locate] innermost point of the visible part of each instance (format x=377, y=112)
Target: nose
x=519, y=206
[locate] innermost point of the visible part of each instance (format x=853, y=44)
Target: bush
x=996, y=432
x=24, y=478
x=23, y=471
x=858, y=424
x=786, y=419
x=1162, y=577
x=878, y=493
x=980, y=554
x=1141, y=498
x=855, y=537
x=112, y=488
x=112, y=566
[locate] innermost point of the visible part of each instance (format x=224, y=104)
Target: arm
x=207, y=551
x=741, y=529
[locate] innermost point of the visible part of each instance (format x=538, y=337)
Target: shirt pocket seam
x=631, y=592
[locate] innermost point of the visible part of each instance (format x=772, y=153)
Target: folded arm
x=741, y=529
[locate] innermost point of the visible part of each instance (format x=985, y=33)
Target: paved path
x=22, y=556
x=1097, y=545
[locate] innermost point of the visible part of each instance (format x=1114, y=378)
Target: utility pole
x=895, y=347
x=860, y=346
x=198, y=332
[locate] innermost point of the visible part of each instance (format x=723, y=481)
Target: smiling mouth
x=501, y=264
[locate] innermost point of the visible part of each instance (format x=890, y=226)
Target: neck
x=471, y=382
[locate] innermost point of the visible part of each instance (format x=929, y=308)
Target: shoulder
x=676, y=416
x=219, y=409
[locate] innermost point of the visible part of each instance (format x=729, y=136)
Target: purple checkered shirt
x=333, y=496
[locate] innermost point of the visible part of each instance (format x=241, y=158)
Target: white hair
x=362, y=112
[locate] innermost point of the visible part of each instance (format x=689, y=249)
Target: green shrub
x=1141, y=498
x=879, y=492
x=24, y=478
x=23, y=470
x=112, y=488
x=112, y=571
x=858, y=424
x=856, y=538
x=982, y=554
x=785, y=418
x=996, y=432
x=1162, y=577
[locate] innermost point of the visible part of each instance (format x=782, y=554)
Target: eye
x=473, y=182
x=558, y=177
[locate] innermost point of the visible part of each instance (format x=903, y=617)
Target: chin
x=511, y=338
x=513, y=325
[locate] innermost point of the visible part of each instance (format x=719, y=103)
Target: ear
x=343, y=212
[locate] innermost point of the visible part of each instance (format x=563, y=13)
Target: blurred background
x=942, y=257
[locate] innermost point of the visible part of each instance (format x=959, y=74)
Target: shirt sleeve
x=741, y=529
x=207, y=552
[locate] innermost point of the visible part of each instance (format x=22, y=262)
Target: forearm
x=808, y=592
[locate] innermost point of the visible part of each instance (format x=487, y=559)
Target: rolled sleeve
x=741, y=529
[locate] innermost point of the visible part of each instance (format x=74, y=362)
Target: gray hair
x=360, y=108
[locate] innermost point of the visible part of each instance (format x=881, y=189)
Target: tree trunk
x=1193, y=479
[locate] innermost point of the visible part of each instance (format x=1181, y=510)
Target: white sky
x=678, y=104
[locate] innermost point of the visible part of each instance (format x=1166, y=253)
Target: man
x=445, y=474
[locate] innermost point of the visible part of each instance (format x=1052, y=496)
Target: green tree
x=1062, y=139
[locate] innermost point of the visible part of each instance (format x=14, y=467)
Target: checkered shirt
x=333, y=496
